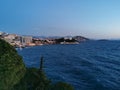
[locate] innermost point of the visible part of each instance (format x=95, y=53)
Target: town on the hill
x=25, y=41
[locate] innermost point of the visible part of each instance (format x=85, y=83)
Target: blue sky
x=90, y=18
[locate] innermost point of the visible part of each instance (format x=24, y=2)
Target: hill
x=80, y=38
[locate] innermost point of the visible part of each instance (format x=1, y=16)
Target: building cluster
x=24, y=41
x=17, y=40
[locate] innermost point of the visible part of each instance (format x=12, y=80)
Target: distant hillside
x=45, y=37
x=80, y=38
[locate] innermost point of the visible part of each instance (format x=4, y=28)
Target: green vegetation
x=14, y=75
x=33, y=80
x=65, y=40
x=62, y=86
x=12, y=68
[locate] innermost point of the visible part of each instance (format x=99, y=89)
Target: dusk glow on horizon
x=90, y=18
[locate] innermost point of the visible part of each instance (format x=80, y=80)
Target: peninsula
x=25, y=41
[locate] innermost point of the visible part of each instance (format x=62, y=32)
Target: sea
x=91, y=65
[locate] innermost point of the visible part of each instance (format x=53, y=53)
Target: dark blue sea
x=92, y=65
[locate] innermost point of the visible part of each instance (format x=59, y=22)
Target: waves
x=88, y=66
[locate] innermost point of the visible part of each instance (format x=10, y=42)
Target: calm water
x=93, y=65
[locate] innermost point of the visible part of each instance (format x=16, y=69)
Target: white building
x=26, y=39
x=10, y=38
x=1, y=33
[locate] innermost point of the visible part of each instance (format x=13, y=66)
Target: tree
x=12, y=68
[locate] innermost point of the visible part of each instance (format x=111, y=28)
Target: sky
x=97, y=19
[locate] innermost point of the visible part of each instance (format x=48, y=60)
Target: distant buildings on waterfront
x=23, y=41
x=17, y=40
